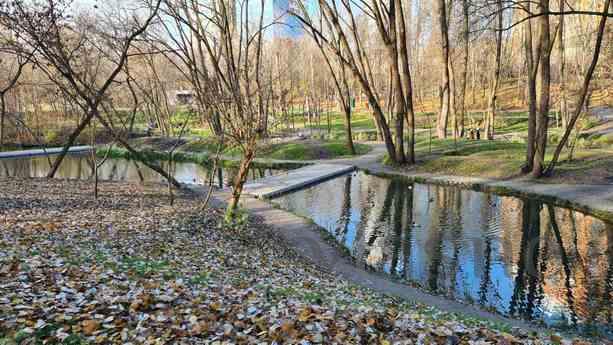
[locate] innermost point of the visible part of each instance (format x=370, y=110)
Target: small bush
x=605, y=140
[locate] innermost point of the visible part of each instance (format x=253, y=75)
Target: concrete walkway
x=42, y=152
x=272, y=186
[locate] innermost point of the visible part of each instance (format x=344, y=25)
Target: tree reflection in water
x=78, y=166
x=503, y=253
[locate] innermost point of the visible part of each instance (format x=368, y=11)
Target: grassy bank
x=298, y=149
x=198, y=158
x=311, y=150
x=502, y=159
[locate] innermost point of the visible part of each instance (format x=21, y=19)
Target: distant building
x=288, y=26
x=278, y=11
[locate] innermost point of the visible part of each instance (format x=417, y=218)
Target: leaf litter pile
x=129, y=268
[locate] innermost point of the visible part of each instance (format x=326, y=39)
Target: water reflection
x=79, y=166
x=519, y=257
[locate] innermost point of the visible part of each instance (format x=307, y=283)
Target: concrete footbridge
x=272, y=186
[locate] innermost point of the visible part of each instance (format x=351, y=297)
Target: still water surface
x=79, y=166
x=521, y=258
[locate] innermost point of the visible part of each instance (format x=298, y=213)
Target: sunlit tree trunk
x=543, y=89
x=406, y=81
x=443, y=117
x=532, y=65
x=489, y=129
x=2, y=116
x=239, y=181
x=463, y=81
x=562, y=54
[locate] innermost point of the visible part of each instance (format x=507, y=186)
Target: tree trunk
x=443, y=117
x=2, y=116
x=406, y=80
x=348, y=131
x=239, y=181
x=489, y=130
x=383, y=128
x=452, y=105
x=400, y=109
x=465, y=39
x=531, y=88
x=71, y=139
x=544, y=81
x=215, y=123
x=343, y=89
x=561, y=51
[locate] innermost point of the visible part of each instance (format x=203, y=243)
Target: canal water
x=79, y=166
x=521, y=258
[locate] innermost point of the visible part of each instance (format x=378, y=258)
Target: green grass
x=359, y=121
x=200, y=150
x=310, y=151
x=202, y=158
x=501, y=158
x=208, y=144
x=482, y=158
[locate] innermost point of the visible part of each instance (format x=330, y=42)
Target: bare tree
x=584, y=90
x=339, y=76
x=340, y=26
x=75, y=54
x=13, y=67
x=231, y=52
x=465, y=46
x=532, y=61
x=562, y=56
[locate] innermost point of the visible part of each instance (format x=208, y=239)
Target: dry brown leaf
x=90, y=326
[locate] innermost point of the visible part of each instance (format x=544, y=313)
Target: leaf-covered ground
x=129, y=268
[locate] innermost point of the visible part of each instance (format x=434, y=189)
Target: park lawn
x=483, y=158
x=503, y=163
x=503, y=159
x=311, y=150
x=359, y=121
x=307, y=149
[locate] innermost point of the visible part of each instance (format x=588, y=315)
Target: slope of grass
x=309, y=150
x=201, y=150
x=503, y=159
